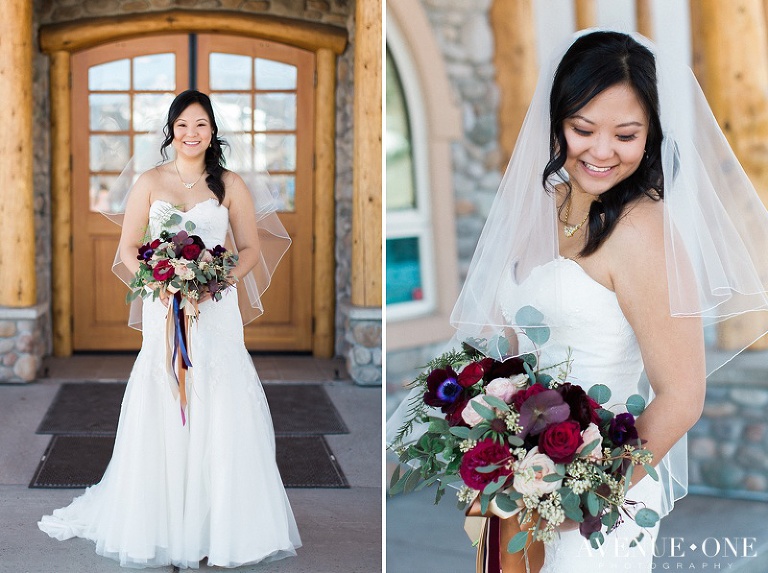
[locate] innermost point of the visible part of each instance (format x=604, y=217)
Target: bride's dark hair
x=594, y=63
x=214, y=155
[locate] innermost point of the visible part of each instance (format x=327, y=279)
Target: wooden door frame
x=61, y=40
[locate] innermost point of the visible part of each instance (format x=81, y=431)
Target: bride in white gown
x=625, y=219
x=177, y=493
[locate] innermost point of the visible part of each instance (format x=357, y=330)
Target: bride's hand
x=165, y=297
x=568, y=525
x=205, y=297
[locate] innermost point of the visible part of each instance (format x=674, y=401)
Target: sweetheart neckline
x=586, y=274
x=191, y=208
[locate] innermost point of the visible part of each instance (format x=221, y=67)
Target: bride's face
x=606, y=140
x=192, y=132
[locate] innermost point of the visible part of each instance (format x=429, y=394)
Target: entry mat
x=92, y=408
x=80, y=461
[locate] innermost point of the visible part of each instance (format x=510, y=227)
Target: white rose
x=185, y=273
x=469, y=415
x=589, y=435
x=531, y=482
x=505, y=388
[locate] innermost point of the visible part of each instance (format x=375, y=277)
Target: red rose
x=191, y=252
x=162, y=271
x=154, y=244
x=560, y=441
x=485, y=453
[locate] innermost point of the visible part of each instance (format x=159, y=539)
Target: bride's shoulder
x=639, y=233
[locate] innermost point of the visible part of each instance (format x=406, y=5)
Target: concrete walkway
x=340, y=528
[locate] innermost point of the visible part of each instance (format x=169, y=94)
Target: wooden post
x=61, y=205
x=17, y=217
x=516, y=67
x=644, y=16
x=734, y=47
x=586, y=14
x=323, y=342
x=366, y=171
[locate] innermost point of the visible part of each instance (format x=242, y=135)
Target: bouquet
x=525, y=442
x=180, y=263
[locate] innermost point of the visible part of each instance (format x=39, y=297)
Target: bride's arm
x=242, y=218
x=672, y=348
x=135, y=223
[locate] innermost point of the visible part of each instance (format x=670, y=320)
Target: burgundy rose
x=583, y=408
x=453, y=412
x=163, y=270
x=622, y=429
x=523, y=395
x=560, y=441
x=191, y=252
x=487, y=452
x=494, y=369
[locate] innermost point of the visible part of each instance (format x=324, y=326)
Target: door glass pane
x=155, y=72
x=234, y=111
x=272, y=75
x=401, y=193
x=152, y=142
x=99, y=192
x=283, y=188
x=236, y=160
x=275, y=111
x=109, y=152
x=150, y=111
x=403, y=270
x=276, y=152
x=110, y=76
x=109, y=112
x=230, y=72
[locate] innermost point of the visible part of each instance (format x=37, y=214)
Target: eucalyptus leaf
x=545, y=380
x=395, y=478
x=504, y=502
x=529, y=372
x=596, y=539
x=496, y=402
x=568, y=498
x=646, y=517
x=628, y=476
x=635, y=404
x=600, y=393
x=514, y=495
x=518, y=542
x=610, y=519
x=189, y=226
x=593, y=504
x=173, y=219
x=589, y=447
x=477, y=432
x=605, y=415
x=637, y=540
x=487, y=469
x=551, y=478
x=538, y=334
x=515, y=441
x=651, y=471
x=574, y=513
x=495, y=485
x=529, y=316
x=484, y=501
x=459, y=431
x=411, y=482
x=499, y=343
x=484, y=411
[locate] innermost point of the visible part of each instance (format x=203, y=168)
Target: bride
x=622, y=218
x=206, y=485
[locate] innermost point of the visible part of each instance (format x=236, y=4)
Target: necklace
x=570, y=230
x=190, y=185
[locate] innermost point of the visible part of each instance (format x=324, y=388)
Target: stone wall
x=463, y=32
x=334, y=12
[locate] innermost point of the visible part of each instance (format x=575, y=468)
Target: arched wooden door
x=118, y=91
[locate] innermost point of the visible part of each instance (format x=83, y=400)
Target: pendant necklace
x=570, y=230
x=190, y=185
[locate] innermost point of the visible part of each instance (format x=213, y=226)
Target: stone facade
x=333, y=12
x=364, y=338
x=463, y=32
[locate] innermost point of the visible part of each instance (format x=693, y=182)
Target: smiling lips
x=595, y=169
x=193, y=143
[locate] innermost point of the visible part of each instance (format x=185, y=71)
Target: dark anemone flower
x=622, y=429
x=443, y=388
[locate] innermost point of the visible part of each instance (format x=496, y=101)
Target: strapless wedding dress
x=173, y=493
x=588, y=322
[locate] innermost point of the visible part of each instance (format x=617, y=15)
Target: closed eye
x=627, y=137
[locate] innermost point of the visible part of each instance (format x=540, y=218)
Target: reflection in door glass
x=110, y=76
x=234, y=109
x=155, y=72
x=272, y=75
x=275, y=111
x=109, y=112
x=109, y=152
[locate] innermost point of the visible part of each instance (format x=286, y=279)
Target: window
x=409, y=254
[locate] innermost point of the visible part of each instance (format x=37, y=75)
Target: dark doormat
x=92, y=408
x=80, y=461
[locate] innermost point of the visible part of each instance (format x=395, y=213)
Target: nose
x=602, y=147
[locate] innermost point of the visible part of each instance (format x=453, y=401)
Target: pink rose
x=470, y=415
x=589, y=435
x=530, y=481
x=505, y=388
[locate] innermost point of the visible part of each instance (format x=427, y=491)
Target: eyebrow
x=626, y=124
x=198, y=119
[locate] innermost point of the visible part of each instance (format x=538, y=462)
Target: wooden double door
x=119, y=92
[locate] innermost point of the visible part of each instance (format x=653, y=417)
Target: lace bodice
x=211, y=220
x=587, y=320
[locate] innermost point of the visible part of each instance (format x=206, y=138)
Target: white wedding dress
x=173, y=493
x=589, y=322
